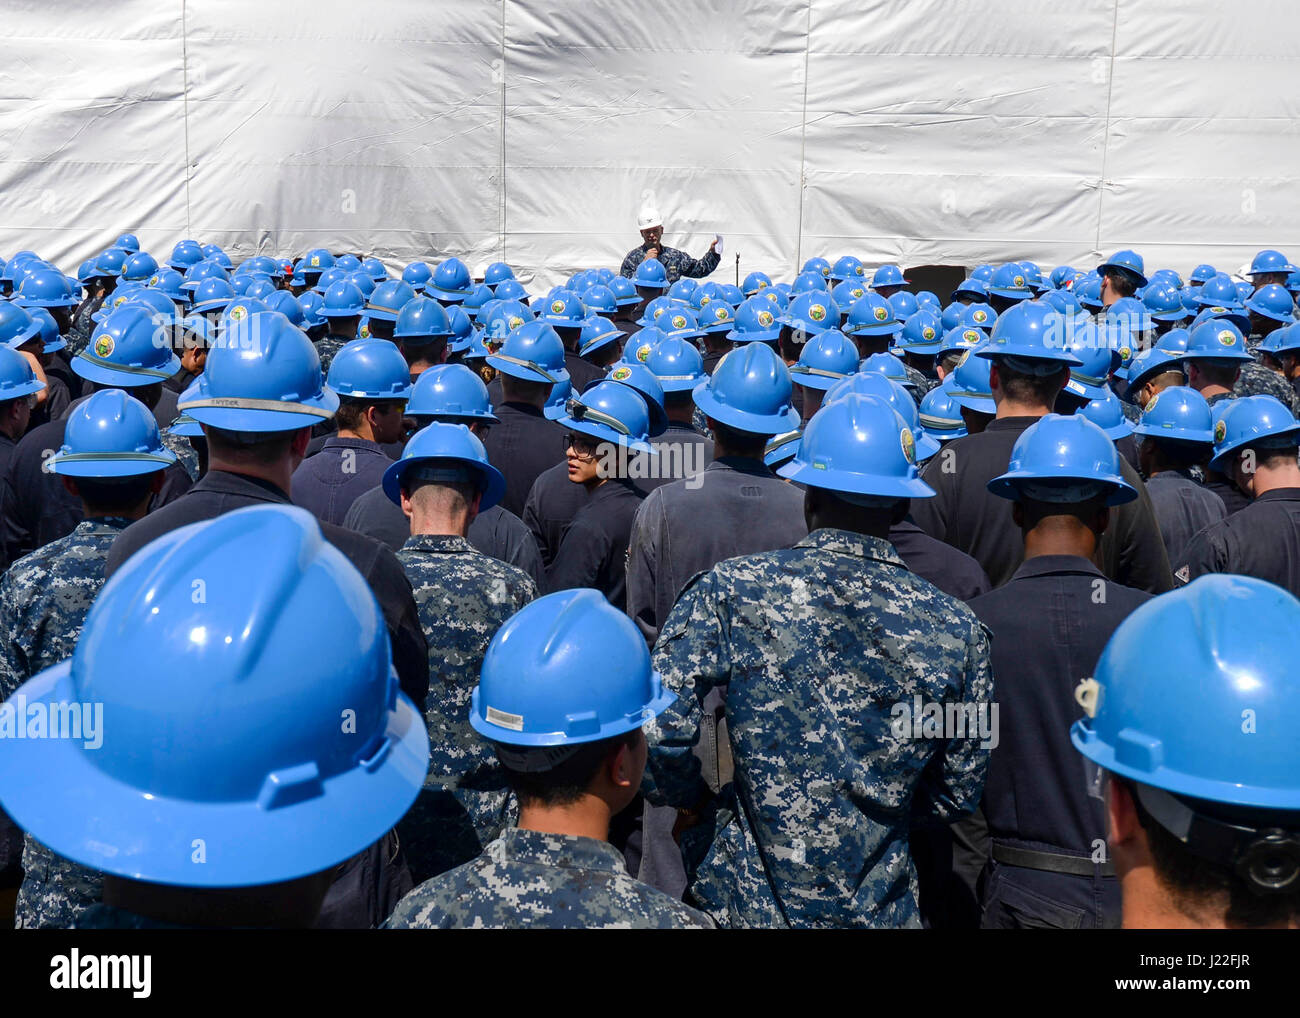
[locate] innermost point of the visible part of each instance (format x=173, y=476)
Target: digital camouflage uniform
x=814, y=646
x=922, y=382
x=326, y=348
x=78, y=337
x=463, y=597
x=185, y=454
x=1257, y=380
x=44, y=598
x=546, y=881
x=676, y=263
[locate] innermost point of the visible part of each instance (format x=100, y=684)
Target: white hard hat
x=649, y=217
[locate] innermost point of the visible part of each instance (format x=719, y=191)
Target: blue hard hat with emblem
x=873, y=315
x=274, y=799
x=959, y=339
x=754, y=282
x=1033, y=332
x=971, y=386
x=612, y=411
x=677, y=363
x=635, y=374
x=922, y=334
x=124, y=350
x=750, y=390
x=448, y=453
x=858, y=445
x=17, y=379
x=1216, y=339
x=1009, y=282
x=875, y=383
x=847, y=267
x=940, y=414
x=532, y=352
x=563, y=310
x=1177, y=413
x=1260, y=422
x=1064, y=459
x=824, y=360
x=811, y=313
x=110, y=434
x=816, y=266
x=757, y=320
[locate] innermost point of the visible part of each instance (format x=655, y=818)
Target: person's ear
x=1018, y=514
x=1124, y=827
x=301, y=439
x=406, y=503
x=995, y=379
x=70, y=486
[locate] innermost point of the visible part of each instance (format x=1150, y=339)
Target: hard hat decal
x=1151, y=404
x=365, y=331
x=816, y=312
x=1217, y=311
x=766, y=318
x=908, y=443
x=860, y=270
x=772, y=296
x=515, y=722
x=857, y=291
x=881, y=314
x=826, y=270
x=642, y=352
x=315, y=260
x=515, y=321
x=557, y=306
x=971, y=336
x=964, y=357
x=1125, y=353
x=237, y=312
x=1220, y=430
x=620, y=374
x=1227, y=338
x=979, y=316
x=153, y=280
x=104, y=346
x=1018, y=281
x=927, y=333
x=679, y=321
x=658, y=312
x=762, y=284
x=721, y=313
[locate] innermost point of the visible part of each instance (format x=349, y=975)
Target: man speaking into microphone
x=676, y=263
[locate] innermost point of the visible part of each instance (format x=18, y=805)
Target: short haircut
x=1166, y=379
x=415, y=350
x=678, y=400
x=115, y=494
x=352, y=412
x=1125, y=285
x=1039, y=390
x=949, y=361
x=1218, y=370
x=1179, y=454
x=740, y=441
x=249, y=446
x=1272, y=457
x=566, y=783
x=440, y=498
x=524, y=390
x=1196, y=884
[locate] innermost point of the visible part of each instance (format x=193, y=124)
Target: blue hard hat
x=940, y=414
x=125, y=351
x=532, y=352
x=717, y=316
x=449, y=453
x=311, y=302
x=858, y=445
x=1270, y=261
x=1034, y=276
x=248, y=751
x=462, y=330
x=888, y=365
x=1058, y=459
x=850, y=268
x=370, y=369
x=655, y=309
x=1061, y=276
x=388, y=299
x=1097, y=350
x=651, y=275
x=139, y=267
x=288, y=305
x=812, y=313
x=971, y=287
x=1220, y=659
x=263, y=375
x=638, y=350
x=241, y=310
x=1202, y=274
x=817, y=266
x=110, y=435
x=1063, y=301
x=213, y=252
x=1239, y=318
x=479, y=297
x=624, y=291
x=107, y=263
x=564, y=310
x=416, y=274
x=1216, y=340
x=1128, y=262
x=362, y=281
x=824, y=360
x=1164, y=303
x=1279, y=341
x=1260, y=421
x=971, y=387
x=600, y=299
x=1031, y=331
x=683, y=322
x=185, y=254
x=1009, y=282
x=1177, y=413
x=128, y=242
x=45, y=288
x=200, y=271
x=1293, y=282
x=757, y=320
x=165, y=311
x=809, y=282
x=732, y=294
x=755, y=282
x=317, y=260
x=1173, y=341
x=215, y=294
x=512, y=289
x=979, y=316
x=567, y=669
x=376, y=269
x=963, y=337
x=346, y=262
x=16, y=376
x=749, y=390
x=888, y=275
x=871, y=316
x=1105, y=412
x=677, y=364
x=922, y=334
x=951, y=317
x=904, y=305
x=1148, y=363
x=874, y=383
x=1219, y=291
x=343, y=299
x=51, y=340
x=635, y=374
x=846, y=293
x=450, y=391
x=500, y=319
x=1166, y=277
x=169, y=281
x=274, y=269
x=597, y=333
x=1273, y=301
x=497, y=273
x=683, y=289
x=1088, y=292
x=1130, y=314
x=612, y=412
x=561, y=391
x=329, y=277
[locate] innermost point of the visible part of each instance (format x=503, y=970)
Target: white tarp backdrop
x=917, y=132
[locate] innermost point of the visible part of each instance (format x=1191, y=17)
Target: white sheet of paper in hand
x=717, y=240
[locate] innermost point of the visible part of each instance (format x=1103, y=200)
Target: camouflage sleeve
x=630, y=262
x=692, y=657
x=953, y=781
x=14, y=669
x=697, y=268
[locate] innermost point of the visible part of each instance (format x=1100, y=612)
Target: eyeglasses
x=582, y=445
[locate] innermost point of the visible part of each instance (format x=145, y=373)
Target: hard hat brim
x=732, y=417
x=854, y=484
x=660, y=702
x=1008, y=485
x=493, y=486
x=102, y=375
x=54, y=790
